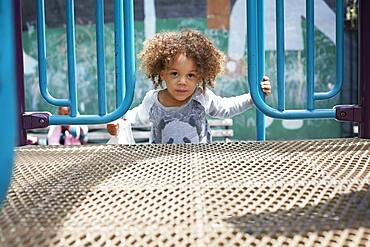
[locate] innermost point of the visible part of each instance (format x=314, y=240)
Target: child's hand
x=266, y=85
x=113, y=128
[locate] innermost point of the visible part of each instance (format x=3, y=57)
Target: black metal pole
x=364, y=68
x=22, y=133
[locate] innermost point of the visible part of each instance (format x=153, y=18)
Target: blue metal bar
x=287, y=114
x=253, y=76
x=339, y=37
x=42, y=57
x=100, y=56
x=130, y=78
x=89, y=119
x=310, y=43
x=260, y=117
x=280, y=47
x=119, y=47
x=252, y=45
x=130, y=69
x=71, y=55
x=8, y=121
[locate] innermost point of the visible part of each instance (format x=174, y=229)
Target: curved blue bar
x=41, y=48
x=71, y=57
x=8, y=82
x=310, y=54
x=260, y=117
x=339, y=50
x=100, y=53
x=288, y=114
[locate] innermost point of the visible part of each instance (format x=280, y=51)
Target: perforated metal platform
x=224, y=194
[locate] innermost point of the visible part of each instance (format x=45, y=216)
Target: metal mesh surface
x=224, y=194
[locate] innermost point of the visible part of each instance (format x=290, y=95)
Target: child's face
x=63, y=110
x=181, y=77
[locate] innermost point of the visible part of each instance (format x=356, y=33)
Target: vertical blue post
x=310, y=43
x=252, y=42
x=260, y=117
x=129, y=51
x=100, y=56
x=71, y=57
x=339, y=51
x=8, y=110
x=41, y=47
x=339, y=43
x=280, y=48
x=119, y=48
x=41, y=57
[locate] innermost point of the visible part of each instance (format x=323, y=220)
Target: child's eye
x=191, y=76
x=174, y=74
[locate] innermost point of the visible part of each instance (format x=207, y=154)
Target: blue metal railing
x=280, y=47
x=260, y=117
x=100, y=52
x=71, y=57
x=7, y=95
x=42, y=61
x=339, y=29
x=254, y=11
x=124, y=60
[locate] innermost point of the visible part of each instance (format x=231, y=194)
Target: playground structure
x=258, y=193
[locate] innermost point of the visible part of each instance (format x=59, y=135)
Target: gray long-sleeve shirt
x=186, y=123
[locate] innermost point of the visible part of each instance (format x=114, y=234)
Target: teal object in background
x=7, y=96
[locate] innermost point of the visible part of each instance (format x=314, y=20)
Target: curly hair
x=160, y=50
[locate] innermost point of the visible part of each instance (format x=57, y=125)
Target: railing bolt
x=343, y=114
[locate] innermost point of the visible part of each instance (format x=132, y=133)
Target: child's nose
x=183, y=80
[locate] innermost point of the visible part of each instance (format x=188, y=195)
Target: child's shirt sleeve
x=54, y=134
x=139, y=115
x=225, y=107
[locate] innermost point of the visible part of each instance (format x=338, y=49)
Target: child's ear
x=162, y=74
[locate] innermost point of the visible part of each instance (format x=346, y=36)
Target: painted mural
x=224, y=23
